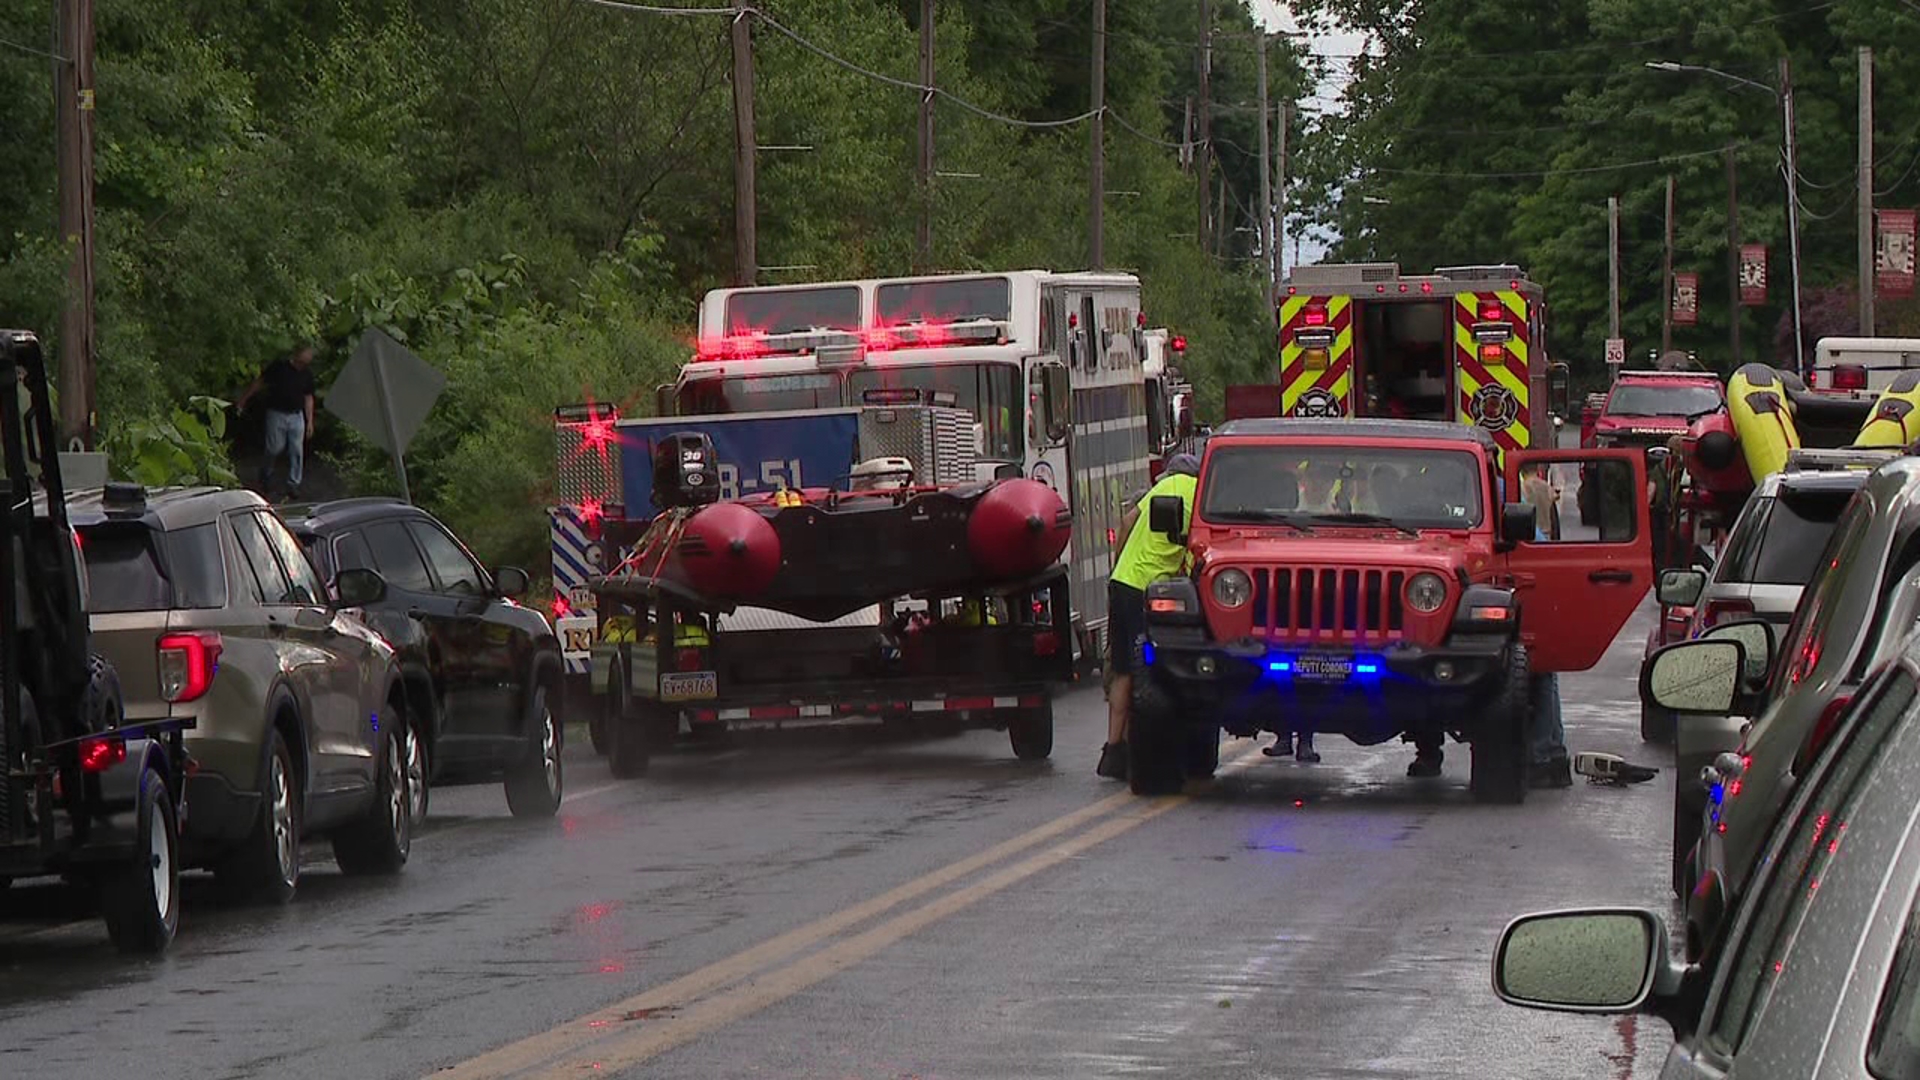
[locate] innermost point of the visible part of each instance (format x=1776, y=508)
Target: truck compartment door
x=1577, y=592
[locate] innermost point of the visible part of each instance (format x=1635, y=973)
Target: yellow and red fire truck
x=1464, y=344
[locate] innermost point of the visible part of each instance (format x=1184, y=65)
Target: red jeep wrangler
x=1363, y=576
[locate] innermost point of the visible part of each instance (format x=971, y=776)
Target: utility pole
x=1266, y=175
x=746, y=255
x=73, y=117
x=1733, y=258
x=1866, y=191
x=1097, y=193
x=1280, y=209
x=1203, y=153
x=1666, y=313
x=1793, y=211
x=923, y=238
x=1613, y=266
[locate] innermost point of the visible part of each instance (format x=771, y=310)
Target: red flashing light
x=1514, y=284
x=561, y=609
x=1426, y=286
x=101, y=753
x=1140, y=320
x=1849, y=377
x=1492, y=311
x=1113, y=537
x=1179, y=343
x=1292, y=290
x=1073, y=320
x=1403, y=286
x=188, y=662
x=597, y=433
x=1492, y=354
x=1380, y=288
x=1315, y=315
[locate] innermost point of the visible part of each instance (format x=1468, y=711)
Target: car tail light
x=1719, y=611
x=102, y=753
x=1823, y=730
x=1849, y=377
x=188, y=663
x=687, y=660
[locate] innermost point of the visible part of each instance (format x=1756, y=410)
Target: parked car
x=1819, y=976
x=1768, y=558
x=482, y=673
x=1864, y=597
x=210, y=610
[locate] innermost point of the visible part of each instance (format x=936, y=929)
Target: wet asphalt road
x=847, y=906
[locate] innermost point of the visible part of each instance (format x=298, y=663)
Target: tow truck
x=83, y=794
x=1464, y=344
x=1416, y=604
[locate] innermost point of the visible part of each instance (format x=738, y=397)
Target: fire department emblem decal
x=1318, y=402
x=1494, y=407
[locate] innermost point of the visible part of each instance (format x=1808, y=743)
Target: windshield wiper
x=1366, y=519
x=1257, y=516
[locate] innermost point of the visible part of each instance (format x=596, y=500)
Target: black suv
x=482, y=672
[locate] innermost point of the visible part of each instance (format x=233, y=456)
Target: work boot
x=1426, y=763
x=1554, y=773
x=1306, y=753
x=1113, y=761
x=1282, y=746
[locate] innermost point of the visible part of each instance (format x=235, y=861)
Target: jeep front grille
x=1311, y=603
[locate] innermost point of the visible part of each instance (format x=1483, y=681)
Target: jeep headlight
x=1232, y=588
x=1426, y=592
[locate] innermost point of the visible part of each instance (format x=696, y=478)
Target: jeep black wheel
x=1202, y=757
x=1031, y=732
x=1154, y=740
x=537, y=784
x=1499, y=770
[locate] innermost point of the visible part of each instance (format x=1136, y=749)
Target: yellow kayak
x=1896, y=415
x=1762, y=414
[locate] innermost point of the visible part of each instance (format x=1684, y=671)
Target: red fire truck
x=1465, y=344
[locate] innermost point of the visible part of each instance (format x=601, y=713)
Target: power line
x=650, y=9
x=1577, y=171
x=31, y=51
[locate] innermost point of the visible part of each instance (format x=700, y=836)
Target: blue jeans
x=286, y=433
x=1549, y=734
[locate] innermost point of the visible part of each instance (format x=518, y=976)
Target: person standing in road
x=287, y=388
x=1145, y=557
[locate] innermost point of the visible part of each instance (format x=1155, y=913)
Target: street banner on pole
x=1753, y=274
x=1686, y=299
x=1894, y=253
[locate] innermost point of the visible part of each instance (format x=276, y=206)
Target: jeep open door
x=1577, y=592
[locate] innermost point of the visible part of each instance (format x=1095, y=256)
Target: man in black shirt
x=287, y=388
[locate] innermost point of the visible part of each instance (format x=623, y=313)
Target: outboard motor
x=685, y=471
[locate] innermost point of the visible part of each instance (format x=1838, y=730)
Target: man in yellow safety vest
x=1145, y=557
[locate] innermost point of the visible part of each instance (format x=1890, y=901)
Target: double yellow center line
x=642, y=1027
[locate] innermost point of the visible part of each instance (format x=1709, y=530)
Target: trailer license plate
x=1323, y=668
x=689, y=686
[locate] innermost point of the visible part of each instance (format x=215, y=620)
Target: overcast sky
x=1275, y=15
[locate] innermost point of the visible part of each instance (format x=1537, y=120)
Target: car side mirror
x=511, y=582
x=1518, y=523
x=1596, y=960
x=1166, y=515
x=1755, y=638
x=1681, y=588
x=1701, y=676
x=359, y=587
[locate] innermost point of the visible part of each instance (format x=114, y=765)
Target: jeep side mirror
x=1681, y=588
x=1518, y=523
x=359, y=587
x=1166, y=515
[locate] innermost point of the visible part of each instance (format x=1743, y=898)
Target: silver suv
x=210, y=609
x=1863, y=600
